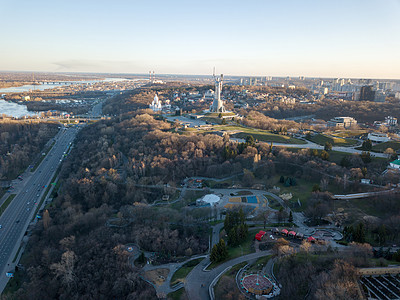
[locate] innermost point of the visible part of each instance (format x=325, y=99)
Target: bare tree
x=46, y=219
x=65, y=268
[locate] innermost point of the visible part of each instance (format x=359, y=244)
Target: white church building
x=156, y=104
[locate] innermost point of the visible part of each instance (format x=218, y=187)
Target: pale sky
x=342, y=38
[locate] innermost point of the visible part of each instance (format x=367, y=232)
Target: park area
x=383, y=146
x=240, y=132
x=182, y=272
x=321, y=139
x=157, y=276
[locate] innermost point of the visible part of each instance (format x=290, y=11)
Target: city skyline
x=356, y=40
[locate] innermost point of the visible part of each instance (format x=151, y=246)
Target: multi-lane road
x=16, y=218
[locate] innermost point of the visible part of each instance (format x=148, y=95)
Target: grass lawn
x=218, y=184
x=350, y=133
x=243, y=132
x=265, y=136
x=274, y=204
x=244, y=248
x=259, y=264
x=177, y=295
x=212, y=223
x=259, y=134
x=190, y=197
x=361, y=207
x=382, y=262
x=383, y=146
x=356, y=209
x=212, y=120
x=301, y=191
x=263, y=260
x=321, y=139
x=182, y=272
x=189, y=129
x=244, y=193
x=336, y=156
x=367, y=205
x=217, y=114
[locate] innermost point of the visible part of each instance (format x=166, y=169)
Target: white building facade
x=377, y=137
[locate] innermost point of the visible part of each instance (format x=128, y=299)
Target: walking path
x=165, y=288
x=198, y=281
x=311, y=145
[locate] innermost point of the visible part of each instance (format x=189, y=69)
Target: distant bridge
x=55, y=82
x=364, y=195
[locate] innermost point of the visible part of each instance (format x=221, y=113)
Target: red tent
x=262, y=232
x=311, y=239
x=292, y=233
x=258, y=237
x=284, y=232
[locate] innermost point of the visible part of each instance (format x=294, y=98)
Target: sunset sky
x=357, y=38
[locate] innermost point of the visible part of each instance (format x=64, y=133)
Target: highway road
x=20, y=212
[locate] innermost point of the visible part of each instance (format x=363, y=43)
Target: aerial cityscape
x=210, y=150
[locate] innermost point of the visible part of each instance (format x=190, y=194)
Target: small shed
x=311, y=239
x=258, y=237
x=395, y=164
x=275, y=231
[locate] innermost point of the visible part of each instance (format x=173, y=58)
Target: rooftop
x=396, y=162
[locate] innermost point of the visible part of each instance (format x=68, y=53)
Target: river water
x=42, y=87
x=19, y=110
x=14, y=110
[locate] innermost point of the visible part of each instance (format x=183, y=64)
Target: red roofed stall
x=311, y=239
x=262, y=232
x=258, y=237
x=292, y=233
x=284, y=232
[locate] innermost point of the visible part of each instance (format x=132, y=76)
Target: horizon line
x=181, y=74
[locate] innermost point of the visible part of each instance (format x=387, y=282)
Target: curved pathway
x=198, y=281
x=165, y=288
